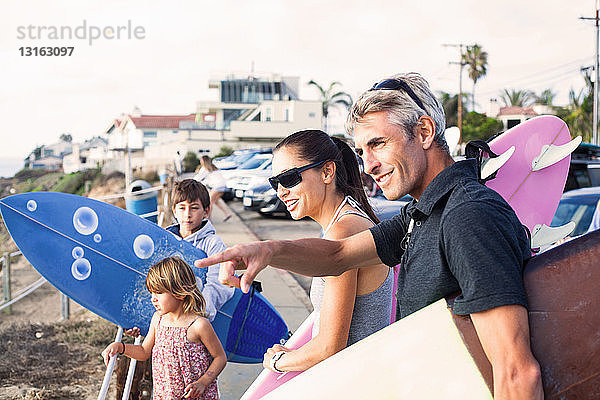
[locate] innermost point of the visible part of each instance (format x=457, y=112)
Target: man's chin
x=392, y=195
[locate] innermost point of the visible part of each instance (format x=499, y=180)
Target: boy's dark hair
x=190, y=190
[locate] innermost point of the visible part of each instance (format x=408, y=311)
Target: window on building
x=512, y=122
x=150, y=134
x=268, y=115
x=311, y=115
x=175, y=131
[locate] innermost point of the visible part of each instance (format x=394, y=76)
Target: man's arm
x=310, y=257
x=504, y=335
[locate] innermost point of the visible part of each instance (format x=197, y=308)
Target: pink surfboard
x=268, y=380
x=534, y=195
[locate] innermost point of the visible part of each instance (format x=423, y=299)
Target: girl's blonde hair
x=173, y=275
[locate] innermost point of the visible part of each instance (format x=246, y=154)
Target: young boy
x=191, y=204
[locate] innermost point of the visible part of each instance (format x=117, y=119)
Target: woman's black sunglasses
x=292, y=176
x=398, y=84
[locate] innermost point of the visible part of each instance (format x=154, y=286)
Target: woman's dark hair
x=315, y=145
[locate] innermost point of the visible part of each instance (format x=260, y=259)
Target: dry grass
x=53, y=361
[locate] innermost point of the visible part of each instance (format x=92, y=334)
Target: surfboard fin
x=491, y=165
x=551, y=154
x=543, y=235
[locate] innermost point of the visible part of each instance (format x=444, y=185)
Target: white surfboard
x=419, y=357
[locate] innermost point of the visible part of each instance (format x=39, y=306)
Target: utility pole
x=461, y=63
x=597, y=70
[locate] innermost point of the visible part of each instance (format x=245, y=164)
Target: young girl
x=186, y=354
x=317, y=176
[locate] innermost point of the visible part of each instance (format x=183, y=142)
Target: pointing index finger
x=212, y=260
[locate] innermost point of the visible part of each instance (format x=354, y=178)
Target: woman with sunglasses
x=317, y=176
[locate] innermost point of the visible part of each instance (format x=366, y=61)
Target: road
x=272, y=228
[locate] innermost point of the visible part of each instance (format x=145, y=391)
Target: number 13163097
x=46, y=51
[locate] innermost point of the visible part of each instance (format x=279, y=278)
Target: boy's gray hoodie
x=207, y=240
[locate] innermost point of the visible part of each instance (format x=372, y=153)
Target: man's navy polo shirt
x=466, y=239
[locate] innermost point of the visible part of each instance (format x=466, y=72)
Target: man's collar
x=443, y=183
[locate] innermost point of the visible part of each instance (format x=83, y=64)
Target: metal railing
x=10, y=298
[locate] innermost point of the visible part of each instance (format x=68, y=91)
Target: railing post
x=6, y=281
x=65, y=306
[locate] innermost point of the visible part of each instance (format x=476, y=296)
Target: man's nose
x=371, y=164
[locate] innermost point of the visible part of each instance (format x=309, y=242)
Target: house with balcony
x=257, y=110
x=251, y=112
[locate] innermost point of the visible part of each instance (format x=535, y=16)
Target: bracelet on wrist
x=123, y=351
x=276, y=357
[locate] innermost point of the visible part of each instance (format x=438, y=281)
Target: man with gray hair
x=457, y=239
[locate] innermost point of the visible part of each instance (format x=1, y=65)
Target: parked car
x=263, y=199
x=255, y=170
x=584, y=170
x=237, y=158
x=386, y=209
x=578, y=206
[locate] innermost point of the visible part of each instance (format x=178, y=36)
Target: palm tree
x=515, y=97
x=330, y=98
x=476, y=59
x=450, y=105
x=546, y=97
x=578, y=114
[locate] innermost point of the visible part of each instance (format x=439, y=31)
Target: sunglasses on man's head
x=398, y=84
x=292, y=176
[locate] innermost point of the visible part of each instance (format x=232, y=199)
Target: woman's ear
x=328, y=172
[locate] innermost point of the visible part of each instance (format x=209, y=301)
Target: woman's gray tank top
x=372, y=311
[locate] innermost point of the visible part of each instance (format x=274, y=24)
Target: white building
x=88, y=155
x=514, y=115
x=252, y=112
x=50, y=156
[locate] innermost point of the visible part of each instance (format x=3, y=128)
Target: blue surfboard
x=99, y=255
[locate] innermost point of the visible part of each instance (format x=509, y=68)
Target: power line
x=543, y=72
x=537, y=82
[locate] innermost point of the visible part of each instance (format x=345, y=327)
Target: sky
x=180, y=45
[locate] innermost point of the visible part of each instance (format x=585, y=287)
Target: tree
x=224, y=151
x=450, y=105
x=190, y=162
x=578, y=114
x=65, y=137
x=479, y=126
x=515, y=97
x=329, y=99
x=546, y=97
x=476, y=60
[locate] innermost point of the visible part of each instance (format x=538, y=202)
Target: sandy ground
x=44, y=357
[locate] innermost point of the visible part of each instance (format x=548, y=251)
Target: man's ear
x=426, y=131
x=207, y=210
x=328, y=172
